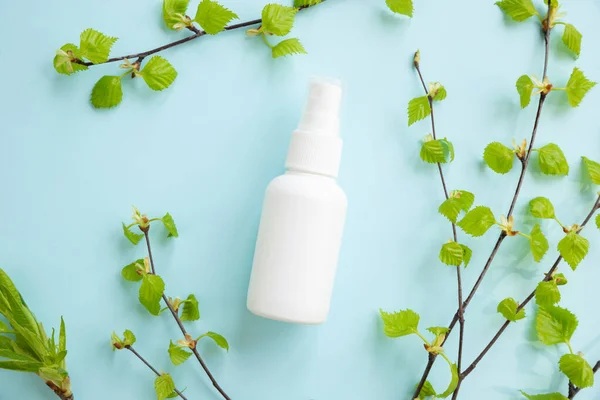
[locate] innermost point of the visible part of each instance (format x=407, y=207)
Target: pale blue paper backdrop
x=205, y=150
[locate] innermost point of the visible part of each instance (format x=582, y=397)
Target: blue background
x=205, y=150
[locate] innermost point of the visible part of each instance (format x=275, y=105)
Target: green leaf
x=404, y=7
x=439, y=92
x=451, y=253
x=432, y=152
x=218, y=339
x=538, y=243
x=508, y=309
x=107, y=92
x=518, y=10
x=151, y=292
x=438, y=330
x=453, y=382
x=467, y=253
x=158, y=73
x=541, y=207
x=306, y=3
x=288, y=47
x=524, y=87
x=577, y=87
x=95, y=46
x=401, y=323
x=572, y=39
x=135, y=271
x=552, y=160
x=20, y=365
x=169, y=224
x=547, y=294
x=177, y=354
x=278, y=19
x=459, y=200
x=499, y=157
x=418, y=109
x=427, y=390
x=128, y=338
x=555, y=325
x=164, y=386
x=549, y=396
x=5, y=328
x=62, y=336
x=477, y=221
x=560, y=279
x=598, y=221
x=173, y=11
x=573, y=248
x=133, y=237
x=593, y=169
x=64, y=61
x=577, y=369
x=448, y=149
x=213, y=17
x=190, y=309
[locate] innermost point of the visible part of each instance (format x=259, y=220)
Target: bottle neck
x=301, y=172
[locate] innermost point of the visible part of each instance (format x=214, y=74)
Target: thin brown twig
x=197, y=33
x=547, y=277
x=138, y=355
x=175, y=315
x=431, y=358
x=576, y=389
x=502, y=236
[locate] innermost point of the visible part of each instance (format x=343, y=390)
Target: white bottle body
x=297, y=248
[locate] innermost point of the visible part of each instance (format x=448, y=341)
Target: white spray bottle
x=303, y=218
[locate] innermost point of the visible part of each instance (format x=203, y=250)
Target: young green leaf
x=401, y=323
x=538, y=243
x=107, y=92
x=418, y=109
x=134, y=272
x=128, y=338
x=477, y=221
x=170, y=225
x=524, y=87
x=95, y=46
x=64, y=61
x=432, y=152
x=499, y=157
x=5, y=328
x=459, y=200
x=20, y=365
x=577, y=369
x=218, y=339
x=547, y=294
x=151, y=292
x=451, y=253
x=541, y=207
x=306, y=3
x=549, y=396
x=577, y=86
x=448, y=149
x=560, y=279
x=467, y=253
x=158, y=73
x=453, y=382
x=518, y=10
x=132, y=237
x=288, y=47
x=555, y=325
x=177, y=354
x=190, y=309
x=573, y=248
x=552, y=160
x=427, y=390
x=437, y=92
x=62, y=336
x=173, y=12
x=593, y=169
x=598, y=221
x=572, y=39
x=164, y=386
x=278, y=19
x=508, y=309
x=213, y=17
x=438, y=330
x=404, y=7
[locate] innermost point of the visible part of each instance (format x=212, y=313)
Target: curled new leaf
x=427, y=390
x=418, y=109
x=218, y=339
x=401, y=323
x=477, y=221
x=453, y=382
x=277, y=19
x=467, y=253
x=107, y=92
x=404, y=7
x=499, y=157
x=552, y=160
x=577, y=87
x=169, y=224
x=135, y=271
x=190, y=309
x=508, y=309
x=174, y=12
x=65, y=61
x=213, y=17
x=131, y=236
x=573, y=248
x=524, y=87
x=158, y=73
